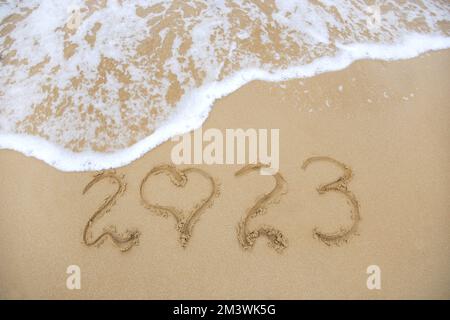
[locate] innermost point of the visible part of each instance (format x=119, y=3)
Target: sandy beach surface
x=388, y=122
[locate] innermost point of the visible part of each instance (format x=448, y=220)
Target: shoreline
x=69, y=161
x=386, y=121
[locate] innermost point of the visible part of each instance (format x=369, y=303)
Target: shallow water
x=95, y=84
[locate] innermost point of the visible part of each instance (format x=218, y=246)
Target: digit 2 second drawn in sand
x=277, y=239
x=186, y=221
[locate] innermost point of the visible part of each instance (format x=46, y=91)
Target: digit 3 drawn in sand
x=122, y=241
x=340, y=186
x=276, y=238
x=184, y=223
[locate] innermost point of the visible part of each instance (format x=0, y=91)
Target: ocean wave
x=90, y=85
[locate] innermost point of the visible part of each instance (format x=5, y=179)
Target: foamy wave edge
x=194, y=108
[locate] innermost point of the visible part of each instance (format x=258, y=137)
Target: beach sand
x=388, y=122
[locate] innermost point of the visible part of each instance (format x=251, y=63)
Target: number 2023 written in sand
x=185, y=221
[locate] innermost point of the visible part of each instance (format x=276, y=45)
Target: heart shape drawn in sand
x=179, y=178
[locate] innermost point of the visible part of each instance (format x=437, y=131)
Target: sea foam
x=91, y=85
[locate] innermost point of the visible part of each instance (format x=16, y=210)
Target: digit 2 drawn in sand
x=276, y=238
x=340, y=186
x=185, y=223
x=122, y=241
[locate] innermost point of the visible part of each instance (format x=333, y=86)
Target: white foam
x=188, y=119
x=193, y=107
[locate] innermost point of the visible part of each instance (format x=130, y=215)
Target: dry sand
x=387, y=121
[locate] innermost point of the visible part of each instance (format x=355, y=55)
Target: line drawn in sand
x=340, y=185
x=184, y=222
x=247, y=238
x=124, y=241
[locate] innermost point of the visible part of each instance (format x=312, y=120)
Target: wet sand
x=388, y=122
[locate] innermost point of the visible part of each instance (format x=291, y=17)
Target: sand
x=386, y=123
